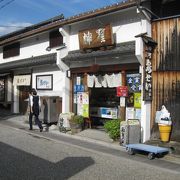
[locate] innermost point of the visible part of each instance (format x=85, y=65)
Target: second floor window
x=11, y=50
x=55, y=39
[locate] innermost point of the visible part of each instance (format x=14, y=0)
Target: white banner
x=22, y=80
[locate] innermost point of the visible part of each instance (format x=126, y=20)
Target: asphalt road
x=26, y=156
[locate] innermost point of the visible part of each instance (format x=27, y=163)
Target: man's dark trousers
x=30, y=120
x=37, y=121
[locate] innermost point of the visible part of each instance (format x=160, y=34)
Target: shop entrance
x=118, y=98
x=23, y=98
x=104, y=105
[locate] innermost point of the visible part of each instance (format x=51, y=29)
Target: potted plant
x=112, y=127
x=76, y=123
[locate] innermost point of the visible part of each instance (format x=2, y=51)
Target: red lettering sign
x=122, y=91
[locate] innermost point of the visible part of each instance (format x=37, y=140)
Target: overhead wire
x=6, y=4
x=1, y=1
x=12, y=26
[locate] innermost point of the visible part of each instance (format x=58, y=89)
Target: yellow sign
x=85, y=112
x=137, y=100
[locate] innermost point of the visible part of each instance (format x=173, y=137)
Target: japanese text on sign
x=148, y=75
x=96, y=37
x=133, y=82
x=122, y=91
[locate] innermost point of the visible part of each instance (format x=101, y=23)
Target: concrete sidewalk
x=88, y=135
x=91, y=135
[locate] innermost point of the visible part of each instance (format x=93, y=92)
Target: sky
x=15, y=14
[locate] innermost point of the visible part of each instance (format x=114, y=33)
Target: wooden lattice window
x=55, y=39
x=11, y=50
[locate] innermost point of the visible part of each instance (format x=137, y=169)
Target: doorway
x=103, y=105
x=23, y=99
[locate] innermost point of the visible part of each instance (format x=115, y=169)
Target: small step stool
x=151, y=150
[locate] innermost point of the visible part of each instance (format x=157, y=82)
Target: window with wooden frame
x=11, y=50
x=55, y=39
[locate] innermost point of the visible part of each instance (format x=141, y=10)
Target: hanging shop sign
x=122, y=91
x=133, y=82
x=92, y=38
x=78, y=88
x=22, y=80
x=147, y=96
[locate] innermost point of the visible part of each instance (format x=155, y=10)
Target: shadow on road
x=17, y=164
x=6, y=114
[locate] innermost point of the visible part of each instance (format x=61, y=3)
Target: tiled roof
x=83, y=16
x=121, y=48
x=29, y=62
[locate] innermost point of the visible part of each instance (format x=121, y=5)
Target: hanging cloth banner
x=22, y=80
x=113, y=80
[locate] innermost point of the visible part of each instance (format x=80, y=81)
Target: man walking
x=35, y=104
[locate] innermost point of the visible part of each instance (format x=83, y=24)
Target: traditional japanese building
x=105, y=65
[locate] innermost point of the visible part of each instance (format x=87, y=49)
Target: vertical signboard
x=147, y=96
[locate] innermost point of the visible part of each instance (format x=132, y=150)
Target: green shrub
x=113, y=128
x=78, y=119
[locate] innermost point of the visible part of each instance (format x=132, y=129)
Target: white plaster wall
x=61, y=85
x=33, y=46
x=125, y=26
x=74, y=42
x=58, y=83
x=123, y=33
x=16, y=100
x=10, y=90
x=66, y=95
x=145, y=120
x=127, y=32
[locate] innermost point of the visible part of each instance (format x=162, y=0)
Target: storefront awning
x=22, y=80
x=121, y=51
x=29, y=62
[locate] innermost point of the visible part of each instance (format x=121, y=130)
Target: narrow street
x=26, y=155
